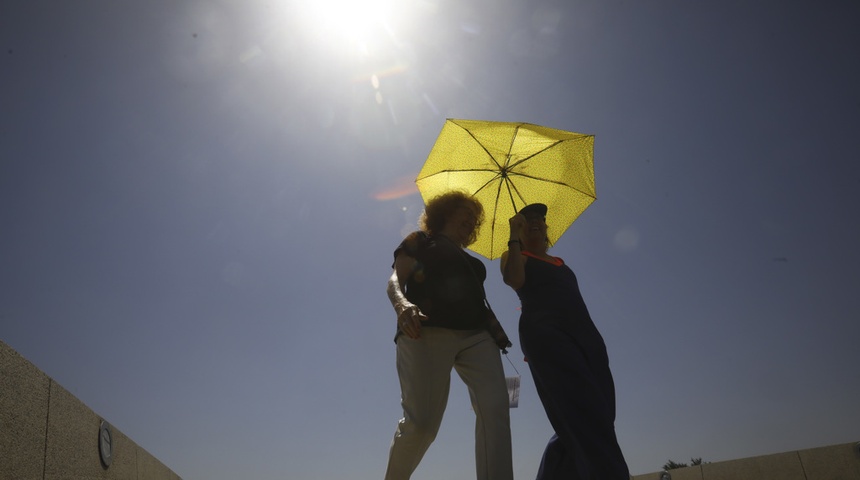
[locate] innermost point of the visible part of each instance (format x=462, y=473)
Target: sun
x=349, y=23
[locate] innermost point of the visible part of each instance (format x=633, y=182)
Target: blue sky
x=200, y=201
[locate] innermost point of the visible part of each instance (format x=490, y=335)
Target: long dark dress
x=567, y=358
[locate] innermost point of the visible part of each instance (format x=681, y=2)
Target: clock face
x=105, y=444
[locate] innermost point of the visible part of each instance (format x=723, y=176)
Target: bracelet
x=518, y=242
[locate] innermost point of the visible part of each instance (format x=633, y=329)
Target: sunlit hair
x=440, y=208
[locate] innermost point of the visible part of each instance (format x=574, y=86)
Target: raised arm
x=513, y=263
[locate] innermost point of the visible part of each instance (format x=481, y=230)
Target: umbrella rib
x=511, y=185
x=535, y=153
x=548, y=180
x=532, y=177
x=493, y=224
x=495, y=177
x=482, y=146
x=511, y=146
x=450, y=170
x=487, y=183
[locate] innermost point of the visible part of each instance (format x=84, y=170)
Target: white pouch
x=513, y=390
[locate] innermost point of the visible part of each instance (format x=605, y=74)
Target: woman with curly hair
x=436, y=290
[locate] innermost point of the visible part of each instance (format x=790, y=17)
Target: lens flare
x=401, y=187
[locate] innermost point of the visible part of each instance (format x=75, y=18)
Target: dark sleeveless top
x=446, y=284
x=550, y=287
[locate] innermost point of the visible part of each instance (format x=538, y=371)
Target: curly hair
x=440, y=208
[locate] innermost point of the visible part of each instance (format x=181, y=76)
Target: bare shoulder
x=504, y=259
x=404, y=258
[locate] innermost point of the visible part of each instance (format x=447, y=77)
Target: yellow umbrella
x=506, y=166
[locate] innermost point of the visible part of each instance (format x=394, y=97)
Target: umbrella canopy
x=506, y=166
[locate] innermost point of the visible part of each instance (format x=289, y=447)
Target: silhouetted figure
x=437, y=292
x=566, y=355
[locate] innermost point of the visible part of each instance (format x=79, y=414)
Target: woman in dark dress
x=566, y=355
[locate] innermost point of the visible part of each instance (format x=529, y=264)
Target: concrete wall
x=837, y=462
x=48, y=434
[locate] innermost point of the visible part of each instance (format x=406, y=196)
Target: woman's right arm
x=409, y=316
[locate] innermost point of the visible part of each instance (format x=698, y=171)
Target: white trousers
x=424, y=367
